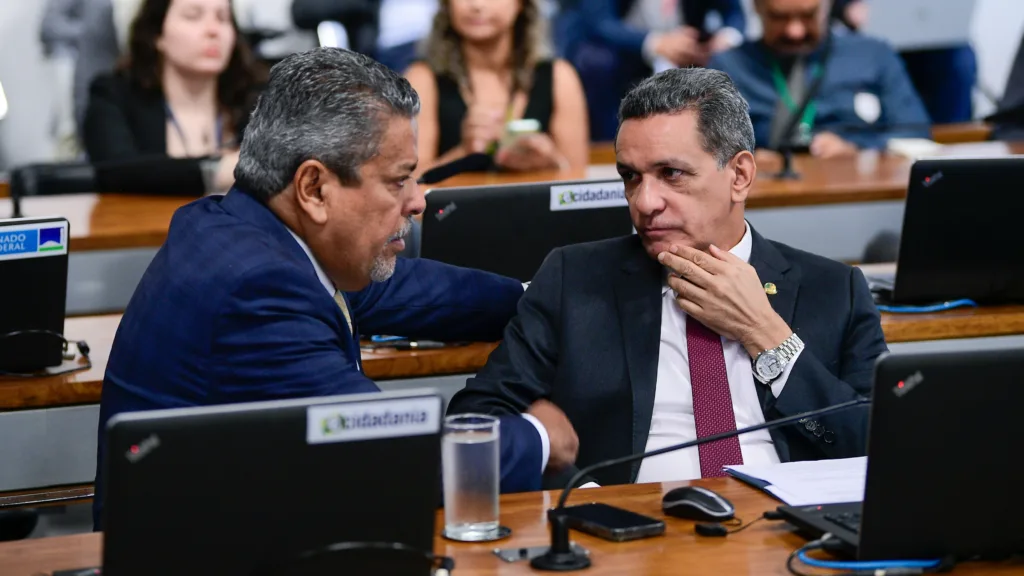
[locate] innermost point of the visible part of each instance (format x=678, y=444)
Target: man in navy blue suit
x=696, y=325
x=261, y=294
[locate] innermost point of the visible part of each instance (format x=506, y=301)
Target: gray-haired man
x=696, y=325
x=261, y=294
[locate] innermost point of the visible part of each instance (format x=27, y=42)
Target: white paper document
x=807, y=483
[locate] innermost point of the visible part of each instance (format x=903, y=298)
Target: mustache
x=403, y=231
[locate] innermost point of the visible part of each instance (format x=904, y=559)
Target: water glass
x=470, y=462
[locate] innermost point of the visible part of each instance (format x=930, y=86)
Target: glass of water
x=470, y=463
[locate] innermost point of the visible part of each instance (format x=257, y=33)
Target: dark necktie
x=712, y=400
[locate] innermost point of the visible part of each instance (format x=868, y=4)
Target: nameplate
x=33, y=240
x=588, y=196
x=371, y=420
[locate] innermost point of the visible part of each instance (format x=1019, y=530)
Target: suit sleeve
x=107, y=134
x=520, y=371
x=602, y=21
x=271, y=341
x=427, y=299
x=812, y=385
x=901, y=106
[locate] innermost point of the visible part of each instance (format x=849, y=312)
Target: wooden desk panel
x=961, y=132
x=761, y=549
x=384, y=364
x=84, y=387
x=106, y=221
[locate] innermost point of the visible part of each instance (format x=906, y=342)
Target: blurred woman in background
x=486, y=67
x=185, y=88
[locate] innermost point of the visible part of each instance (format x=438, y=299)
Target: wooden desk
x=84, y=387
x=385, y=364
x=761, y=549
x=961, y=132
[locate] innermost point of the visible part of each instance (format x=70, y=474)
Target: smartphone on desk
x=611, y=523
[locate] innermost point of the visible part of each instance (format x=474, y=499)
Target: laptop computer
x=510, y=229
x=942, y=474
x=34, y=269
x=247, y=489
x=921, y=24
x=960, y=237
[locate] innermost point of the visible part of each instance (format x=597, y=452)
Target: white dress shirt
x=672, y=421
x=329, y=286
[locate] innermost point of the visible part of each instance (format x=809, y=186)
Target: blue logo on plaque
x=50, y=239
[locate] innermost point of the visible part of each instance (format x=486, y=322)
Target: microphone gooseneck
x=560, y=557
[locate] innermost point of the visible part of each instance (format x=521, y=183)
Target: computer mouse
x=696, y=503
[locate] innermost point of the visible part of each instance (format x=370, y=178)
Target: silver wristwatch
x=770, y=364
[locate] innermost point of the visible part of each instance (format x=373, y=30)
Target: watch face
x=768, y=365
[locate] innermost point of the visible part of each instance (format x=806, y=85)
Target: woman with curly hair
x=185, y=88
x=486, y=67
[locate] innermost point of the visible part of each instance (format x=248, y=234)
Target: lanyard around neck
x=219, y=130
x=782, y=87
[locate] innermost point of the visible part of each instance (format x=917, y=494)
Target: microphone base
x=560, y=561
x=787, y=174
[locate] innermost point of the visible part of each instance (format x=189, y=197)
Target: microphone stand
x=560, y=557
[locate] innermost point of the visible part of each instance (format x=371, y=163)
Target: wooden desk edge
x=39, y=497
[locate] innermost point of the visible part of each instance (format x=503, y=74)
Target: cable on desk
x=940, y=307
x=861, y=568
x=714, y=529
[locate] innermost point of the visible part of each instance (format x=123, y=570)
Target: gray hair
x=326, y=104
x=723, y=116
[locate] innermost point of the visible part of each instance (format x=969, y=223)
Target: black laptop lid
x=235, y=490
x=33, y=290
x=944, y=472
x=961, y=232
x=510, y=229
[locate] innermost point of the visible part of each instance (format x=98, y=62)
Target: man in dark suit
x=261, y=294
x=696, y=325
x=615, y=43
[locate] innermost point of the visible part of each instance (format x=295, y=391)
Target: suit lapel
x=638, y=298
x=773, y=267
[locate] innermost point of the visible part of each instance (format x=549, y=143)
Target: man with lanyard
x=863, y=98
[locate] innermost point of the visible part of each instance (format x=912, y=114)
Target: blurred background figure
x=616, y=43
x=59, y=33
x=185, y=89
x=863, y=99
x=944, y=77
x=387, y=30
x=487, y=64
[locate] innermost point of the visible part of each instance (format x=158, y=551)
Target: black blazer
x=587, y=335
x=123, y=121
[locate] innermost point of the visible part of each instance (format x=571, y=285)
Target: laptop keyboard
x=848, y=520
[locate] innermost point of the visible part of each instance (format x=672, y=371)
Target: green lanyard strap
x=782, y=87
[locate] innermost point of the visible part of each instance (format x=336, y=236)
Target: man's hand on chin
x=561, y=434
x=725, y=294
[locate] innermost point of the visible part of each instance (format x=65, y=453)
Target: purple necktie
x=712, y=401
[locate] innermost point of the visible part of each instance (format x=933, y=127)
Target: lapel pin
x=770, y=289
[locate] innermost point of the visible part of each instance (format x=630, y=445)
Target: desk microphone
x=476, y=162
x=560, y=557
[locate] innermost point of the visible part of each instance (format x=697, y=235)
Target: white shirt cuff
x=780, y=382
x=591, y=485
x=545, y=442
x=733, y=36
